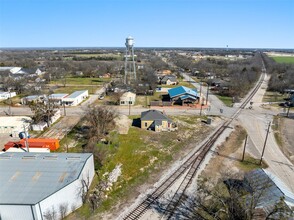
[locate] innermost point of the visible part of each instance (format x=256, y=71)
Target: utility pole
x=130, y=106
x=200, y=98
x=288, y=111
x=244, y=148
x=26, y=138
x=64, y=111
x=269, y=125
x=207, y=94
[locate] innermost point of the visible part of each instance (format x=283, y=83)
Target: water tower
x=130, y=66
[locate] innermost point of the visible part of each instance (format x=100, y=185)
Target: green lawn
x=284, y=59
x=228, y=101
x=141, y=154
x=71, y=89
x=273, y=97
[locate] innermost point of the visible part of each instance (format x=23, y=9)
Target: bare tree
x=101, y=120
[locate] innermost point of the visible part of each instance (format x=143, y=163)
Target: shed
x=128, y=98
x=75, y=98
x=33, y=185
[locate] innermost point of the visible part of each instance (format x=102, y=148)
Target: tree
x=227, y=199
x=101, y=120
x=43, y=111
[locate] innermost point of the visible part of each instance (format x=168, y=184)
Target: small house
x=169, y=80
x=127, y=98
x=157, y=121
x=7, y=95
x=75, y=98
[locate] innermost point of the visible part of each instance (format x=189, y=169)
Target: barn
x=37, y=185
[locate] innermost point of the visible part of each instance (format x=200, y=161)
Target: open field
x=284, y=59
x=142, y=154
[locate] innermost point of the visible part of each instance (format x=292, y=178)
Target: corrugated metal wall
x=16, y=212
x=68, y=196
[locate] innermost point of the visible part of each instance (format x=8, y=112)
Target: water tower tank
x=129, y=42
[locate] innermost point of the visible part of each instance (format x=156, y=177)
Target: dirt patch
x=226, y=155
x=123, y=124
x=286, y=129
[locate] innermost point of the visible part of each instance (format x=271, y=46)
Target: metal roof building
x=270, y=189
x=75, y=98
x=33, y=184
x=14, y=124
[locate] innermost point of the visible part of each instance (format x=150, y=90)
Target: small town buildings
x=33, y=98
x=157, y=121
x=37, y=185
x=128, y=98
x=57, y=98
x=183, y=95
x=19, y=72
x=14, y=124
x=7, y=95
x=169, y=80
x=75, y=98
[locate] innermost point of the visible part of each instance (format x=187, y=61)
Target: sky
x=152, y=23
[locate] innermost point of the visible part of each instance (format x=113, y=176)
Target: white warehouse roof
x=76, y=94
x=14, y=121
x=28, y=178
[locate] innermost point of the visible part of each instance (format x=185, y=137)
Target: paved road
x=256, y=121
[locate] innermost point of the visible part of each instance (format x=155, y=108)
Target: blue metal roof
x=187, y=97
x=76, y=94
x=181, y=90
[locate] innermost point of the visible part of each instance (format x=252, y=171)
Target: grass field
x=284, y=59
x=273, y=97
x=228, y=101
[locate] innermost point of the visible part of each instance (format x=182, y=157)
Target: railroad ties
x=191, y=165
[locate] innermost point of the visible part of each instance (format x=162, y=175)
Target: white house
x=75, y=98
x=14, y=124
x=128, y=98
x=36, y=185
x=6, y=95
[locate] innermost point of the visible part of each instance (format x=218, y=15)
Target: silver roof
x=28, y=178
x=76, y=94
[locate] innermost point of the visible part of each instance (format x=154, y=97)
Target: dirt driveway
x=287, y=132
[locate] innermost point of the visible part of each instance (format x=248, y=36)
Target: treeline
x=282, y=75
x=239, y=74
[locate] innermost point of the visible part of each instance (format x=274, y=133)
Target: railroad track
x=190, y=167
